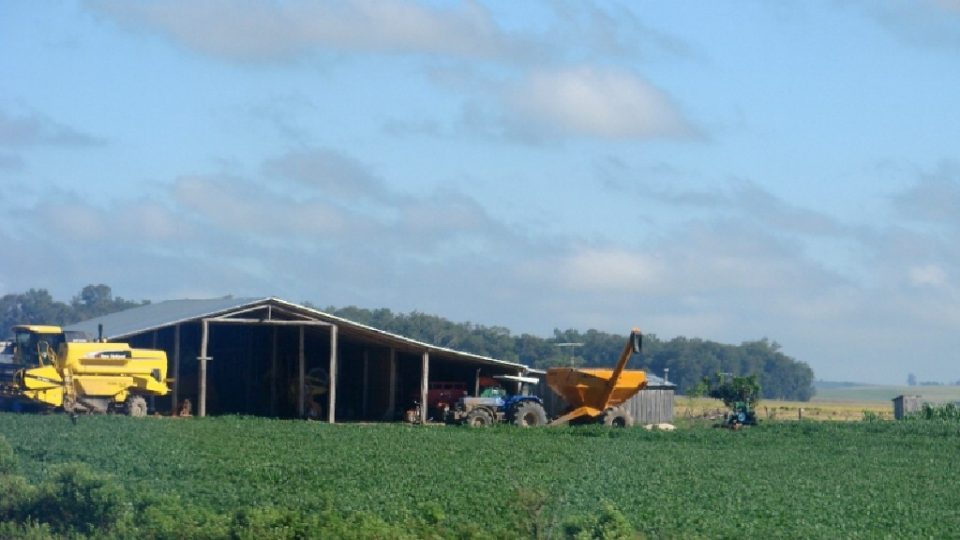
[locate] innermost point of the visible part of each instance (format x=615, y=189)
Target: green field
x=260, y=478
x=874, y=393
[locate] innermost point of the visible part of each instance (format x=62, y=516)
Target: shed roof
x=151, y=317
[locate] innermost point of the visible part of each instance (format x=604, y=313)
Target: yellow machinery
x=595, y=394
x=48, y=369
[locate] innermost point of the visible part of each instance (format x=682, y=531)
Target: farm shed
x=652, y=405
x=259, y=356
x=904, y=405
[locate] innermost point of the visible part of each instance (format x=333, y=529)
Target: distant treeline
x=36, y=306
x=688, y=359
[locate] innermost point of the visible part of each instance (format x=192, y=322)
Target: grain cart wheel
x=136, y=406
x=530, y=414
x=617, y=417
x=478, y=418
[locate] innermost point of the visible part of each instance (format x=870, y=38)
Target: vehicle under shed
x=270, y=357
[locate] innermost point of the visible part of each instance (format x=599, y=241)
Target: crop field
x=883, y=394
x=785, y=411
x=259, y=478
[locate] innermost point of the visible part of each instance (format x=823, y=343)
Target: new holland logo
x=110, y=355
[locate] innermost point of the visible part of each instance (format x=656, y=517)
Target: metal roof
x=658, y=382
x=153, y=316
x=163, y=314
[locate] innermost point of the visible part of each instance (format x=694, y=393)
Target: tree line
x=37, y=306
x=688, y=359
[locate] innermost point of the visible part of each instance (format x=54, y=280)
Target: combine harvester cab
x=595, y=395
x=54, y=369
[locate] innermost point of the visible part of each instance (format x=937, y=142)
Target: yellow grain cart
x=596, y=394
x=48, y=369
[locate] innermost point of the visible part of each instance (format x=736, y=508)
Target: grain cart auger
x=596, y=394
x=49, y=368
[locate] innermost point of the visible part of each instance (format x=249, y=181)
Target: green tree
x=97, y=300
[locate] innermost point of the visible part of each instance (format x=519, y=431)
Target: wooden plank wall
x=652, y=406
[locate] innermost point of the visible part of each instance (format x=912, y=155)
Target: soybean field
x=245, y=477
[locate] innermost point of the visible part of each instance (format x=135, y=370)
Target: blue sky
x=723, y=170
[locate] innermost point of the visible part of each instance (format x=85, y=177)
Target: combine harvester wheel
x=136, y=406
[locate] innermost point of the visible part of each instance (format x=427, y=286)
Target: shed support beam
x=332, y=392
x=175, y=391
x=366, y=382
x=204, y=339
x=273, y=374
x=424, y=378
x=301, y=375
x=392, y=387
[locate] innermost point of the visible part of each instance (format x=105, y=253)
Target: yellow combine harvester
x=48, y=367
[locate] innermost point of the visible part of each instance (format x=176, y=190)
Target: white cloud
x=609, y=269
x=934, y=198
x=267, y=31
x=591, y=101
x=329, y=171
x=239, y=207
x=929, y=275
x=927, y=23
x=35, y=129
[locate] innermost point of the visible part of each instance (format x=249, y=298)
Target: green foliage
x=610, y=524
x=948, y=412
x=8, y=461
x=689, y=360
x=76, y=497
x=36, y=306
x=235, y=477
x=736, y=390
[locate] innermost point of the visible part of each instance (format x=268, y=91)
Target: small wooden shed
x=653, y=404
x=905, y=405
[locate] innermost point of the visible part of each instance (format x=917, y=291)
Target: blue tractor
x=494, y=405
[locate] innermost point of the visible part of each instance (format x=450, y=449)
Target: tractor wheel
x=617, y=417
x=530, y=414
x=136, y=406
x=478, y=418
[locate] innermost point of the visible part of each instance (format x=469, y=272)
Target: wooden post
x=332, y=391
x=424, y=381
x=175, y=391
x=273, y=375
x=204, y=338
x=301, y=376
x=391, y=413
x=366, y=382
x=476, y=384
